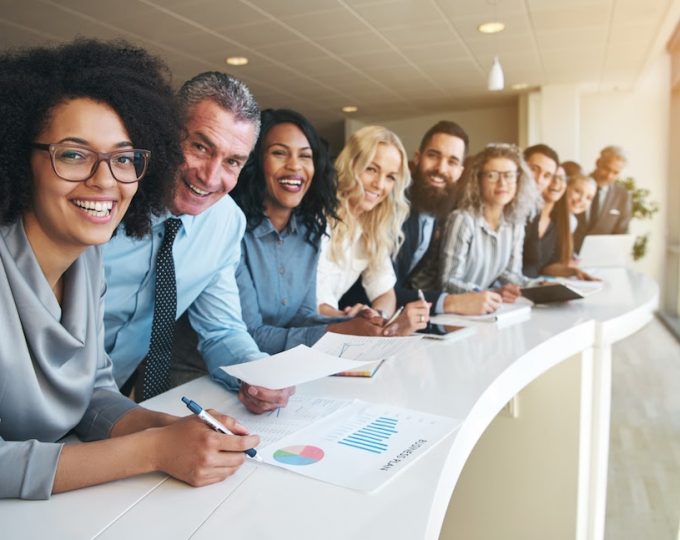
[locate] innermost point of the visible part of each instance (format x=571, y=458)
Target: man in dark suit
x=611, y=210
x=436, y=167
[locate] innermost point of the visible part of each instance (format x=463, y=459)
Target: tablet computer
x=552, y=292
x=606, y=250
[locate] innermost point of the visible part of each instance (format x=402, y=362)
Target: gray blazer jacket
x=613, y=218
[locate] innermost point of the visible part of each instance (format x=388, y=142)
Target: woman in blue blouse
x=286, y=190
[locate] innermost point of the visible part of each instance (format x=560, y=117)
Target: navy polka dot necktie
x=154, y=377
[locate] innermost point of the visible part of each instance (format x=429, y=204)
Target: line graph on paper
x=351, y=350
x=362, y=347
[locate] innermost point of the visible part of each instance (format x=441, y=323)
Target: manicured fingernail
x=252, y=390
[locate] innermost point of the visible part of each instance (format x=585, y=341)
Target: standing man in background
x=611, y=210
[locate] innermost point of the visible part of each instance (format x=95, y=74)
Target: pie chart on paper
x=299, y=455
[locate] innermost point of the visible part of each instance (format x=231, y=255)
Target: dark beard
x=438, y=202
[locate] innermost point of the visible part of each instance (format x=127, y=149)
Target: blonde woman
x=372, y=178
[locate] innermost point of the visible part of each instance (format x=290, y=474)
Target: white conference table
x=471, y=379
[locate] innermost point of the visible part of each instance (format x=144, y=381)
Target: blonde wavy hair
x=381, y=226
x=527, y=200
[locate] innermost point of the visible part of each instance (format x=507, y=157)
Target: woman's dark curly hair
x=126, y=78
x=320, y=201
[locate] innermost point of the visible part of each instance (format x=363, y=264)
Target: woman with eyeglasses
x=482, y=239
x=89, y=140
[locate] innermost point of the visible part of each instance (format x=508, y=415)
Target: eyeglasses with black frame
x=75, y=163
x=493, y=177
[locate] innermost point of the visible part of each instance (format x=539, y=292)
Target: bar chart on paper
x=372, y=437
x=361, y=446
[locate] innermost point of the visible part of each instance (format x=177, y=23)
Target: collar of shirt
x=265, y=227
x=187, y=221
x=482, y=223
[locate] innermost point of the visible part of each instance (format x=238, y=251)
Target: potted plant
x=643, y=208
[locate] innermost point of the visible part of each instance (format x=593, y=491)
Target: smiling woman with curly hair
x=482, y=239
x=89, y=138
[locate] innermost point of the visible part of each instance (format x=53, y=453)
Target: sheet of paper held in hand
x=360, y=446
x=290, y=368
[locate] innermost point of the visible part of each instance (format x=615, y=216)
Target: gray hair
x=227, y=91
x=613, y=152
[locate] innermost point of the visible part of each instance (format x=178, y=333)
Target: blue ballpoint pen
x=215, y=424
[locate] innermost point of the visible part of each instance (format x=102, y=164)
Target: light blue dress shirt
x=277, y=282
x=206, y=253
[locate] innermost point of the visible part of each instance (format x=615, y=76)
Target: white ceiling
x=391, y=58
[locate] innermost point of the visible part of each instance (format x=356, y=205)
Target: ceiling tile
x=570, y=17
x=320, y=24
x=591, y=37
x=260, y=34
x=371, y=59
x=349, y=44
x=419, y=34
x=398, y=13
x=291, y=8
x=211, y=14
x=484, y=11
x=634, y=11
x=433, y=54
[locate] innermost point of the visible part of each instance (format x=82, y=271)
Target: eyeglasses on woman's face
x=75, y=163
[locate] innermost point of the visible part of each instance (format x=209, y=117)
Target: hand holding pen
x=409, y=318
x=215, y=424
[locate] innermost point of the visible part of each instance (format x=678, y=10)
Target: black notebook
x=553, y=292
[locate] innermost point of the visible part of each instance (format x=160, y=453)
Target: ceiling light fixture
x=491, y=27
x=236, y=60
x=350, y=108
x=496, y=80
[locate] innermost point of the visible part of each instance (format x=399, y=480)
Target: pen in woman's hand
x=393, y=317
x=215, y=424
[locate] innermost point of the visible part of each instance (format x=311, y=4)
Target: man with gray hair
x=611, y=210
x=188, y=263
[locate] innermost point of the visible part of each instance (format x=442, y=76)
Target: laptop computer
x=606, y=250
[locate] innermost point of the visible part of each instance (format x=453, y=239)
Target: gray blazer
x=54, y=374
x=613, y=217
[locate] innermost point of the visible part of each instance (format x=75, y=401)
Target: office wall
x=637, y=120
x=483, y=125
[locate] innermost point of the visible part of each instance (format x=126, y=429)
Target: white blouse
x=333, y=279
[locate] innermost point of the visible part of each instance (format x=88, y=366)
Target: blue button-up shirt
x=277, y=282
x=206, y=253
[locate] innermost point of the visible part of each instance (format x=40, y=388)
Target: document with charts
x=360, y=446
